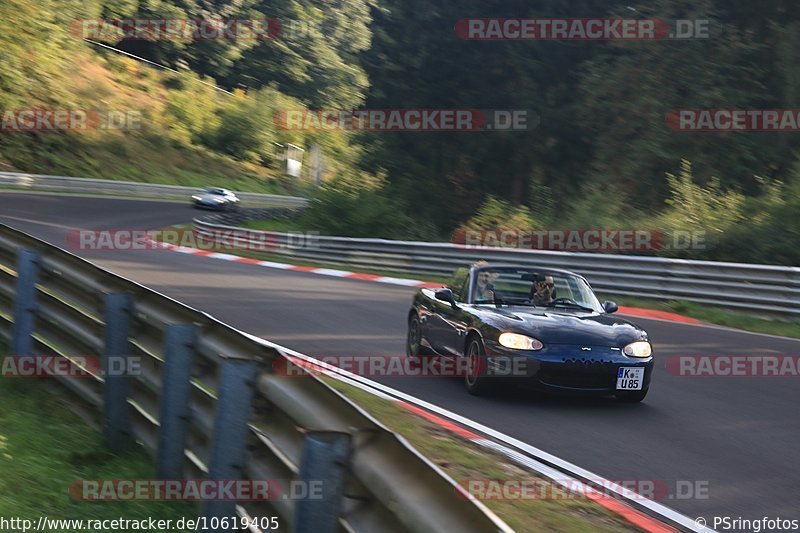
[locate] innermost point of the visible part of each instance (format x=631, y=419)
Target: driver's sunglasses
x=545, y=284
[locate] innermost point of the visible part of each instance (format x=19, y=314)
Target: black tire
x=413, y=337
x=476, y=380
x=632, y=396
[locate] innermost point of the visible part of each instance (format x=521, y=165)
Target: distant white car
x=215, y=198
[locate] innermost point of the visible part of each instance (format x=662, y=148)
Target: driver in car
x=484, y=290
x=543, y=290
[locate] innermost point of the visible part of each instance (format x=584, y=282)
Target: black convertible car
x=537, y=327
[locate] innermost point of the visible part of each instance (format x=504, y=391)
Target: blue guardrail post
x=117, y=347
x=175, y=412
x=234, y=402
x=25, y=303
x=323, y=466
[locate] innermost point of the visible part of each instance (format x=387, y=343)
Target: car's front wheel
x=476, y=380
x=632, y=396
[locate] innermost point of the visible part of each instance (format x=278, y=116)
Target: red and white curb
x=297, y=268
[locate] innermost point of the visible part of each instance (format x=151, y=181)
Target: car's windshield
x=533, y=287
x=212, y=190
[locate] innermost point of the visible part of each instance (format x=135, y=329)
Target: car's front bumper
x=565, y=368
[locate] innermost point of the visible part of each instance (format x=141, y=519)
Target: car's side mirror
x=446, y=295
x=610, y=307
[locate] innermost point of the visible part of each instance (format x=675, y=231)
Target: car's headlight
x=519, y=342
x=638, y=349
x=195, y=197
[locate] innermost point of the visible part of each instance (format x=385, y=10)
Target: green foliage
x=457, y=281
x=343, y=209
x=626, y=91
x=542, y=202
x=772, y=233
x=602, y=146
x=694, y=207
x=192, y=107
x=316, y=56
x=598, y=207
x=207, y=57
x=36, y=48
x=119, y=9
x=498, y=215
x=188, y=127
x=45, y=447
x=246, y=130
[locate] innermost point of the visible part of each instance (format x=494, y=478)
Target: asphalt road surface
x=737, y=438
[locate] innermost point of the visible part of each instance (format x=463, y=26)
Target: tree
x=315, y=57
x=627, y=90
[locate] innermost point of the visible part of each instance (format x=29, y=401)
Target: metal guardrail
x=67, y=184
x=763, y=288
x=209, y=403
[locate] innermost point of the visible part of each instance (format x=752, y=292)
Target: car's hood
x=565, y=326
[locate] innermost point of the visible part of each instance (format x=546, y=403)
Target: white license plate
x=629, y=378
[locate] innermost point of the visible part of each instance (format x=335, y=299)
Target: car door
x=453, y=326
x=434, y=326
